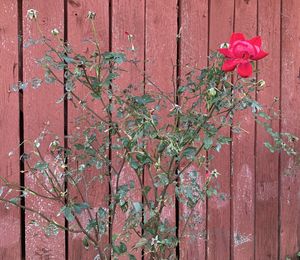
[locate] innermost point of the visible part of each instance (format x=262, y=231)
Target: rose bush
x=131, y=126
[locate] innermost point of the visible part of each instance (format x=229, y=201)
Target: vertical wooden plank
x=40, y=107
x=161, y=59
x=266, y=211
x=10, y=239
x=128, y=19
x=219, y=212
x=243, y=148
x=80, y=32
x=290, y=100
x=193, y=54
x=161, y=44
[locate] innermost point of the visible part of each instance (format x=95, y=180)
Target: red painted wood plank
x=161, y=44
x=266, y=212
x=40, y=107
x=161, y=50
x=243, y=149
x=290, y=99
x=218, y=226
x=80, y=31
x=193, y=54
x=10, y=244
x=128, y=18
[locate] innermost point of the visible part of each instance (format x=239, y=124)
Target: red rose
x=240, y=52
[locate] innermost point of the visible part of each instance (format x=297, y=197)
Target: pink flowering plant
x=149, y=148
x=240, y=53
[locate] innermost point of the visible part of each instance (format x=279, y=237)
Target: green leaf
x=114, y=56
x=207, y=142
x=116, y=147
x=69, y=60
x=51, y=230
x=123, y=248
x=123, y=205
x=143, y=241
x=137, y=206
x=91, y=224
x=96, y=95
x=109, y=78
x=79, y=146
x=264, y=115
x=162, y=146
x=189, y=153
x=122, y=191
x=41, y=166
x=133, y=163
x=85, y=242
x=218, y=147
x=14, y=201
x=79, y=207
x=90, y=151
x=68, y=213
x=114, y=237
x=210, y=192
x=193, y=175
x=131, y=257
x=102, y=213
x=143, y=100
x=224, y=140
x=143, y=158
x=49, y=79
x=163, y=180
x=181, y=89
x=131, y=184
x=269, y=146
x=255, y=106
x=146, y=189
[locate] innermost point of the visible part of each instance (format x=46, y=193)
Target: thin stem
x=42, y=216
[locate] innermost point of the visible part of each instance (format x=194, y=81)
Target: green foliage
x=137, y=141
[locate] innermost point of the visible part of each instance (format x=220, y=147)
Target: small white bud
x=55, y=31
x=91, y=15
x=215, y=173
x=224, y=45
x=212, y=92
x=261, y=83
x=32, y=14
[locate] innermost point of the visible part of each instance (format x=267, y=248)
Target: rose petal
x=260, y=55
x=237, y=37
x=245, y=69
x=226, y=52
x=242, y=49
x=229, y=65
x=256, y=41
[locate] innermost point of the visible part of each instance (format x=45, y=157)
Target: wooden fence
x=257, y=213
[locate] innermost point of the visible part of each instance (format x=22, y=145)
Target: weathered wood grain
x=289, y=166
x=160, y=67
x=219, y=211
x=193, y=33
x=256, y=213
x=10, y=239
x=40, y=108
x=94, y=184
x=127, y=19
x=243, y=151
x=267, y=193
